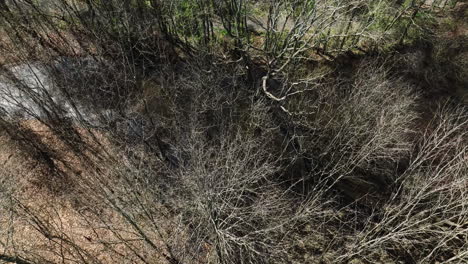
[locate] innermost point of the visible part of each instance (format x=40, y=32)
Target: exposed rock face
x=37, y=90
x=71, y=89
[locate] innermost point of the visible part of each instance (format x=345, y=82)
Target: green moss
x=447, y=24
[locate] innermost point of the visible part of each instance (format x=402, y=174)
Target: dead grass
x=61, y=226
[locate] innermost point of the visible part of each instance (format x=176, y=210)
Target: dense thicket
x=233, y=131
